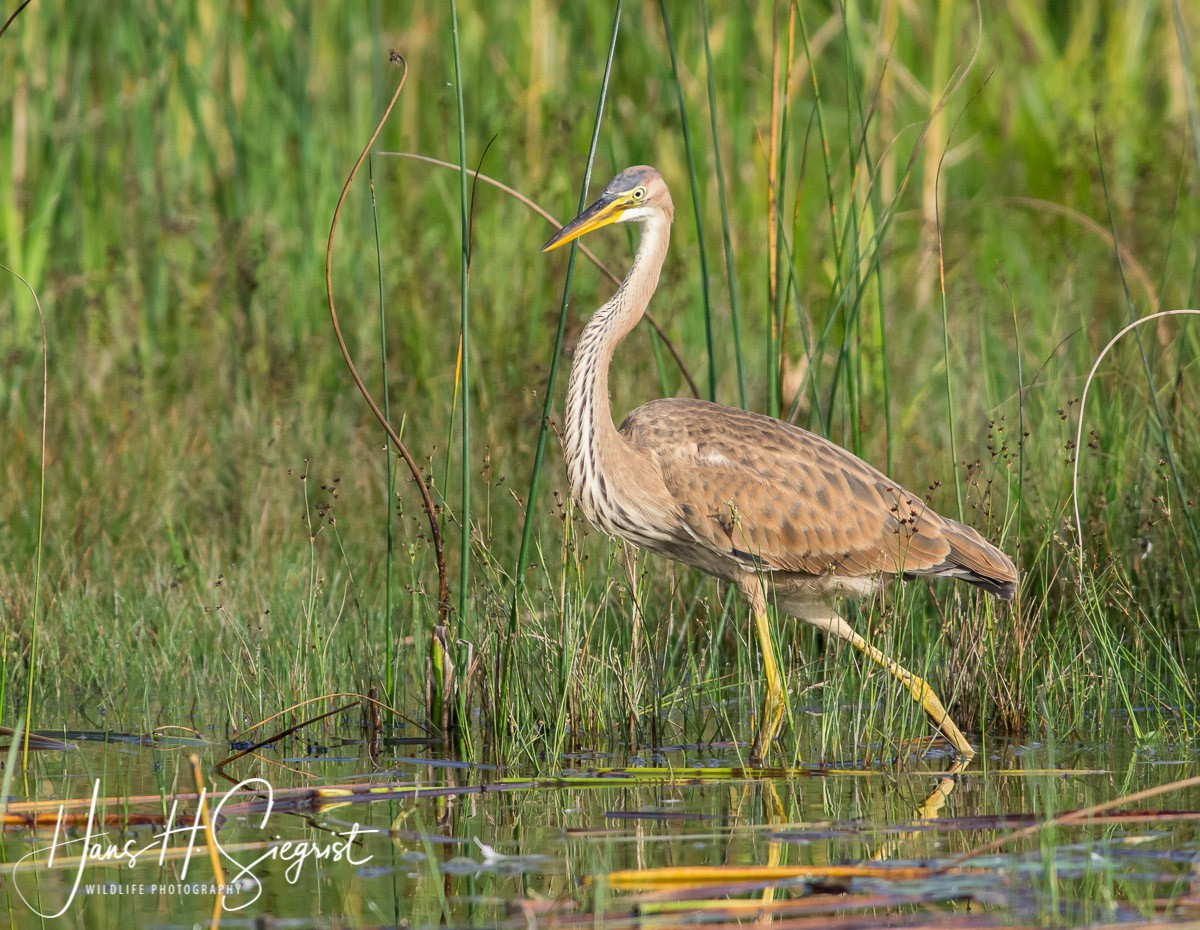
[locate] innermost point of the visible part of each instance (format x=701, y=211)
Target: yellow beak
x=607, y=209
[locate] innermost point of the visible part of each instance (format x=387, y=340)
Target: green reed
x=697, y=210
x=168, y=197
x=527, y=525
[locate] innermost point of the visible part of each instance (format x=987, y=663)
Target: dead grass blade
x=1079, y=816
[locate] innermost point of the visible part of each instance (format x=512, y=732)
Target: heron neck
x=590, y=432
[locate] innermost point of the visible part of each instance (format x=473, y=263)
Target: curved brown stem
x=588, y=253
x=426, y=498
x=15, y=13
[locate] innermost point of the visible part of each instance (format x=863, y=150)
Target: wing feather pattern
x=784, y=499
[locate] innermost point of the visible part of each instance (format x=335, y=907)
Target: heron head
x=635, y=195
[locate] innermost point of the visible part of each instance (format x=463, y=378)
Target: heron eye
x=639, y=193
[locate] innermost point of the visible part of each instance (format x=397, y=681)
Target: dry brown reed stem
x=553, y=221
x=210, y=840
x=280, y=735
x=639, y=879
x=170, y=854
x=426, y=498
x=323, y=697
x=1068, y=818
x=15, y=13
x=175, y=726
x=336, y=694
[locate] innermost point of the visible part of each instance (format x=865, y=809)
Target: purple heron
x=785, y=515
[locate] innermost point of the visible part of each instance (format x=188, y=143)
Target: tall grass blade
x=695, y=186
x=41, y=524
x=506, y=653
x=730, y=270
x=454, y=632
x=388, y=454
x=1128, y=328
x=464, y=574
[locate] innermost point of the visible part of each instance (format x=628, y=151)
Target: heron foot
x=774, y=706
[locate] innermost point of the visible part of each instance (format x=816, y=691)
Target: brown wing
x=785, y=499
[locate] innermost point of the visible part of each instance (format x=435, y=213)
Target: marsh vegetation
x=906, y=228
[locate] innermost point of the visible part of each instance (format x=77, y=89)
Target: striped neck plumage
x=590, y=428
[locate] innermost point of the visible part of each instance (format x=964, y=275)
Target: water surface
x=437, y=842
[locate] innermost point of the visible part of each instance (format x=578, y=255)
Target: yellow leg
x=775, y=702
x=920, y=691
x=776, y=817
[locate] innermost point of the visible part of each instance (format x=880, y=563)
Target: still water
x=336, y=836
